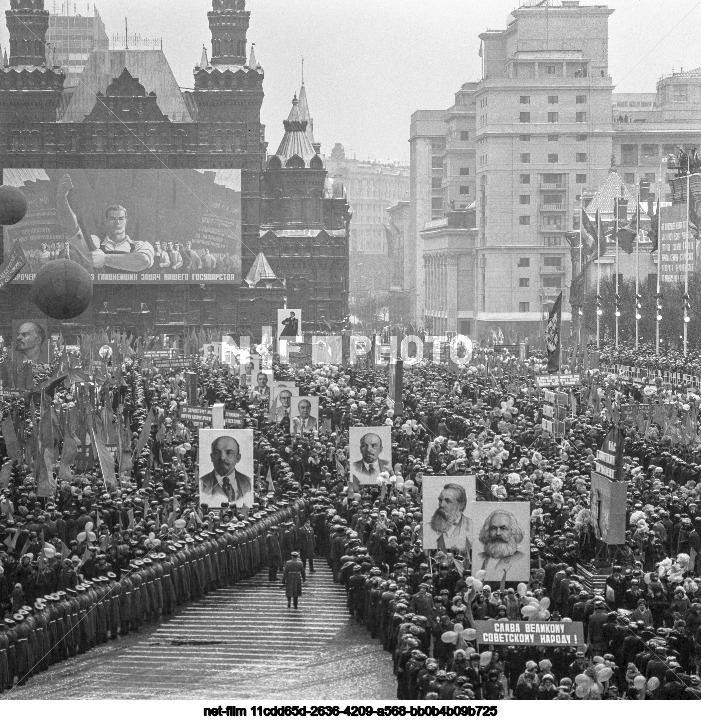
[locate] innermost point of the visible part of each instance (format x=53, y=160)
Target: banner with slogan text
x=530, y=633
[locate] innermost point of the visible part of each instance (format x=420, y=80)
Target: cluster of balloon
x=536, y=610
x=62, y=289
x=87, y=534
x=590, y=684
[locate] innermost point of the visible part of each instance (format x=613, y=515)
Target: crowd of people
x=64, y=557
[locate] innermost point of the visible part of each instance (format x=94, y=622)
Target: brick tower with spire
x=31, y=91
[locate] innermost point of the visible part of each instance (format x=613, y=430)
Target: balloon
x=477, y=586
x=604, y=675
x=409, y=484
x=89, y=526
x=639, y=682
x=180, y=523
x=485, y=658
x=470, y=634
x=62, y=289
x=13, y=205
x=545, y=603
x=400, y=485
x=582, y=691
x=49, y=550
x=521, y=589
x=582, y=679
x=653, y=684
x=481, y=575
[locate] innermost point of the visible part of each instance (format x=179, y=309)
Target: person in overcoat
x=292, y=577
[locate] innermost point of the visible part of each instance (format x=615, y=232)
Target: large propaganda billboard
x=131, y=226
x=673, y=243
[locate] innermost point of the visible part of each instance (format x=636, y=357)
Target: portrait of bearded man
x=449, y=529
x=500, y=537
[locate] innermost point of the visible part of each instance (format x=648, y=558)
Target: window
x=651, y=177
x=437, y=162
x=680, y=94
x=629, y=154
x=552, y=157
x=524, y=219
x=553, y=100
x=464, y=135
x=550, y=69
x=436, y=183
x=525, y=178
x=581, y=117
x=629, y=178
x=464, y=190
x=650, y=152
x=524, y=199
x=552, y=241
x=464, y=171
x=437, y=143
x=581, y=99
x=524, y=138
x=553, y=117
x=524, y=282
x=552, y=178
x=553, y=261
x=581, y=179
x=552, y=281
x=524, y=307
x=581, y=157
x=525, y=157
x=581, y=138
x=525, y=100
x=552, y=198
x=524, y=262
x=437, y=203
x=524, y=118
x=553, y=138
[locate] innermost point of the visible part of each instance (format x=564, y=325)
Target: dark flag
x=625, y=234
x=15, y=263
x=552, y=336
x=590, y=237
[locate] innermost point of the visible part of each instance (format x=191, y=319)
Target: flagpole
x=616, y=308
x=686, y=249
x=659, y=262
x=580, y=299
x=598, y=280
x=637, y=270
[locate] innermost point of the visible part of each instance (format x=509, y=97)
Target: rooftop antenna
x=126, y=33
x=302, y=69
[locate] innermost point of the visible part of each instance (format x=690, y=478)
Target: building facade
x=139, y=118
x=541, y=129
x=372, y=187
x=72, y=36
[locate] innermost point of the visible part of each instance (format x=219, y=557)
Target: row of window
x=553, y=138
x=552, y=261
x=555, y=157
x=554, y=117
x=552, y=99
x=579, y=179
x=549, y=281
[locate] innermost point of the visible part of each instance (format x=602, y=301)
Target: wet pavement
x=237, y=643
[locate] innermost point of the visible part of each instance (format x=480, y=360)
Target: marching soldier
x=292, y=577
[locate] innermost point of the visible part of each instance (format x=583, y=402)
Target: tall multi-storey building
x=372, y=186
x=72, y=36
x=524, y=143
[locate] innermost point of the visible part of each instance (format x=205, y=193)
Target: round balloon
x=13, y=205
x=62, y=289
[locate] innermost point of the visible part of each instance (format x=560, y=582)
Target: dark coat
x=292, y=577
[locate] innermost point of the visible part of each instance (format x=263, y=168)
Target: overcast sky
x=370, y=63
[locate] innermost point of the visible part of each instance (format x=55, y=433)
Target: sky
x=369, y=64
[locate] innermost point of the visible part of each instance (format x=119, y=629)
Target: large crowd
x=96, y=561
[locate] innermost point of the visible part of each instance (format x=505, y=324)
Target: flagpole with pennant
x=553, y=340
x=598, y=281
x=617, y=310
x=686, y=253
x=658, y=298
x=637, y=272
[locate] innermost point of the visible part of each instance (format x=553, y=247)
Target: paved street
x=238, y=643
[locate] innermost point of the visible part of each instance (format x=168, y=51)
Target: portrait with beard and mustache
x=500, y=537
x=448, y=528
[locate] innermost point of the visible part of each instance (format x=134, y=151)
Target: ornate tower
x=30, y=92
x=28, y=23
x=228, y=21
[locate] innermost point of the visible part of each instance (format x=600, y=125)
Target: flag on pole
x=590, y=237
x=553, y=336
x=46, y=483
x=654, y=216
x=145, y=433
x=269, y=480
x=14, y=451
x=628, y=232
